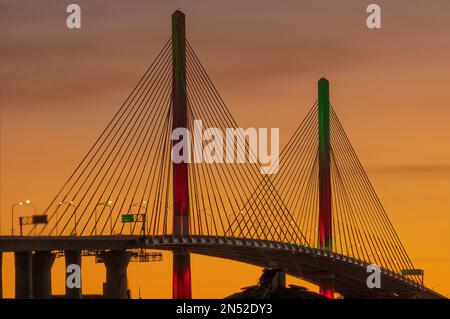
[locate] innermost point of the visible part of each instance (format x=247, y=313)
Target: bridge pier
x=23, y=263
x=1, y=277
x=181, y=280
x=326, y=285
x=73, y=257
x=42, y=274
x=116, y=263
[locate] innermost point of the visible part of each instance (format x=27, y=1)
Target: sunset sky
x=390, y=88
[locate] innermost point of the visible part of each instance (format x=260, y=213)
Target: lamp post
x=71, y=204
x=107, y=204
x=21, y=203
x=142, y=204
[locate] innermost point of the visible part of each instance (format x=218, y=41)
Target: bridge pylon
x=181, y=281
x=325, y=214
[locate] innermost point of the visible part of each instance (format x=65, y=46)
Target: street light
x=21, y=203
x=107, y=204
x=143, y=204
x=129, y=217
x=71, y=204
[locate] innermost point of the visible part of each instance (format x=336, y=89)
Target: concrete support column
x=116, y=263
x=73, y=257
x=1, y=275
x=23, y=262
x=326, y=287
x=42, y=274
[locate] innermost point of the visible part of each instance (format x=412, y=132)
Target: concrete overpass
x=34, y=258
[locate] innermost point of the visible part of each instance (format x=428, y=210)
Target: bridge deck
x=305, y=263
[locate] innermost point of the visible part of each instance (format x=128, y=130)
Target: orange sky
x=390, y=88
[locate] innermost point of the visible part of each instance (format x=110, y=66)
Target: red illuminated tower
x=181, y=284
x=325, y=221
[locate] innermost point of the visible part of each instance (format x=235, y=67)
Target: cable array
x=128, y=172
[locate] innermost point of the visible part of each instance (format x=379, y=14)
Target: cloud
x=414, y=170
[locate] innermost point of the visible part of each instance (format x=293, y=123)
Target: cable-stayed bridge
x=318, y=218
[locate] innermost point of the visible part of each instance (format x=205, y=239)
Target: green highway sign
x=412, y=272
x=39, y=219
x=128, y=218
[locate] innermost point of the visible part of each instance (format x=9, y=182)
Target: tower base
x=181, y=282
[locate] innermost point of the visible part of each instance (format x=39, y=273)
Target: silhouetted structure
x=272, y=285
